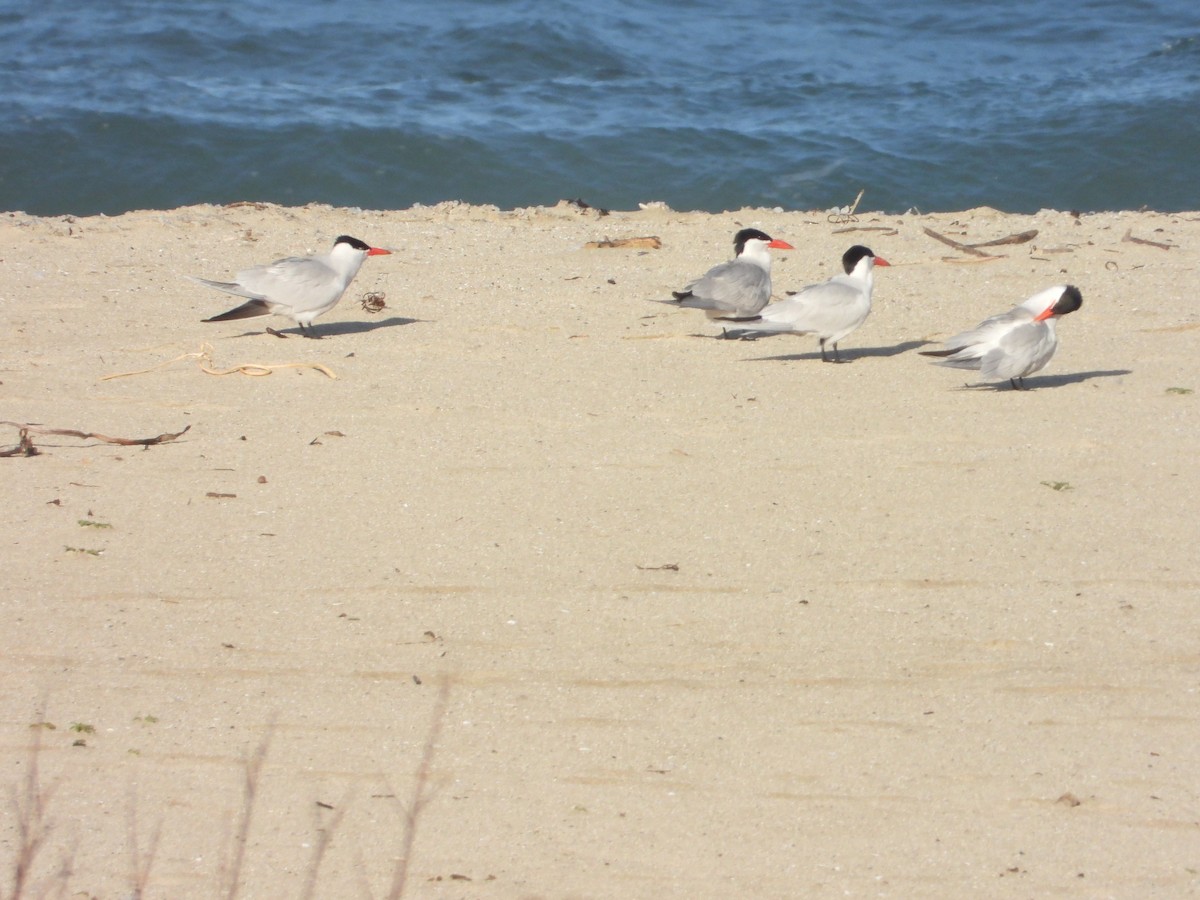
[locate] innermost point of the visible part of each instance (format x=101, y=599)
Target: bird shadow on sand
x=338, y=329
x=848, y=356
x=1047, y=381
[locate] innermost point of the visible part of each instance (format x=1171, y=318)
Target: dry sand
x=616, y=609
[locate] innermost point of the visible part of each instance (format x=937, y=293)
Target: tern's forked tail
x=249, y=310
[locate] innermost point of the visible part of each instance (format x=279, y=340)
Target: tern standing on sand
x=830, y=310
x=737, y=289
x=1013, y=344
x=299, y=287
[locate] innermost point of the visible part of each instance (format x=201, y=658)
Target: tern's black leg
x=1018, y=384
x=836, y=356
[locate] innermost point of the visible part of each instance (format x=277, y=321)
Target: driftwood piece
x=957, y=245
x=1020, y=237
x=972, y=249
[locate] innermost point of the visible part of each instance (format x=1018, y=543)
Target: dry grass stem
x=324, y=837
x=141, y=862
x=231, y=869
x=422, y=792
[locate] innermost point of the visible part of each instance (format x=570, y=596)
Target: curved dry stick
x=205, y=352
x=205, y=356
x=93, y=436
x=259, y=369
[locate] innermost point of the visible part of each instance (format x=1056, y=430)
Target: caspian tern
x=299, y=287
x=737, y=289
x=830, y=310
x=1013, y=344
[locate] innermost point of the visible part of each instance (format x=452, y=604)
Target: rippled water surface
x=706, y=105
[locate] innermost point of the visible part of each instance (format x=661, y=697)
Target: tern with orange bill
x=1013, y=344
x=738, y=289
x=298, y=287
x=829, y=310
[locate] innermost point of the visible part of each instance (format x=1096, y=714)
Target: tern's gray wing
x=968, y=349
x=826, y=309
x=229, y=287
x=989, y=331
x=735, y=288
x=298, y=282
x=1020, y=352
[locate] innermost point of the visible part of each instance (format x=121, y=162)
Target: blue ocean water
x=705, y=104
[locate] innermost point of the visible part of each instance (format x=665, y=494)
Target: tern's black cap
x=853, y=256
x=1070, y=301
x=749, y=234
x=353, y=242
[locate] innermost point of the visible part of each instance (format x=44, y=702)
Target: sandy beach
x=527, y=586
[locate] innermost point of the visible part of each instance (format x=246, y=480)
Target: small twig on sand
x=421, y=792
x=1137, y=240
x=203, y=354
x=205, y=357
x=888, y=228
x=93, y=436
x=26, y=445
x=650, y=242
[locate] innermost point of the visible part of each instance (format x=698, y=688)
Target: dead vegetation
x=34, y=873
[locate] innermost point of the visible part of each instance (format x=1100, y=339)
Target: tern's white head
x=752, y=245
